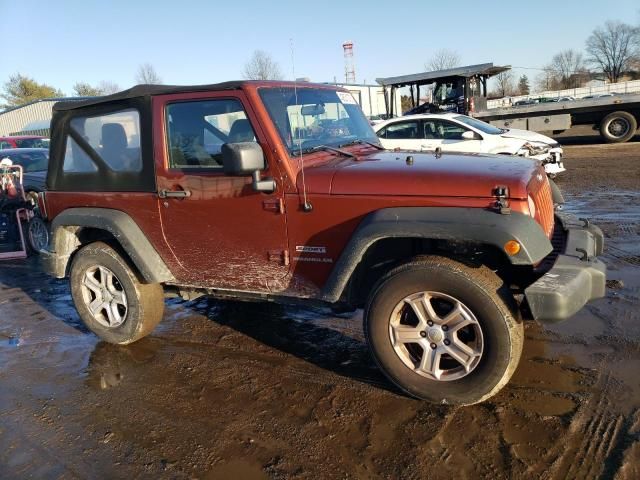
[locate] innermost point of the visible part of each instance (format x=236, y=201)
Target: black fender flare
x=439, y=223
x=64, y=240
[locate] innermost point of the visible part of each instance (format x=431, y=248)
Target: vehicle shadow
x=50, y=294
x=308, y=334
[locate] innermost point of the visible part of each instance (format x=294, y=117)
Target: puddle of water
x=608, y=206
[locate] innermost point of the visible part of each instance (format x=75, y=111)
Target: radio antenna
x=306, y=205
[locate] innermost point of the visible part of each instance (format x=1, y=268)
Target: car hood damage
x=422, y=174
x=529, y=136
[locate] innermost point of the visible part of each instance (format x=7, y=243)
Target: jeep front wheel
x=110, y=298
x=443, y=331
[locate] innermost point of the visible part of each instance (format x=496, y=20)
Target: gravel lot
x=223, y=389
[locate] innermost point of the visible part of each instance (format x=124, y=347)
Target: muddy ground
x=225, y=390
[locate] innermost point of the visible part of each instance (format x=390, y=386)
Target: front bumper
x=576, y=276
x=552, y=161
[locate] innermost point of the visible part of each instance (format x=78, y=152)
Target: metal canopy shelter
x=481, y=72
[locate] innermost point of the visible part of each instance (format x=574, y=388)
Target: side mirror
x=246, y=158
x=469, y=135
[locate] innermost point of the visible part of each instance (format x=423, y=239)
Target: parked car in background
x=528, y=101
x=34, y=162
x=452, y=132
x=24, y=141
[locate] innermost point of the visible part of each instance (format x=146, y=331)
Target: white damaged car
x=452, y=132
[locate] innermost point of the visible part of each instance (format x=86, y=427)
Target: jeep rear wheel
x=443, y=331
x=110, y=298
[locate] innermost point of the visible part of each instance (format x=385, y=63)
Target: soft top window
x=115, y=137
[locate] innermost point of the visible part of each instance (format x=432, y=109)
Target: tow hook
x=502, y=204
x=585, y=255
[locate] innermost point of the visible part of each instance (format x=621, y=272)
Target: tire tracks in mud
x=595, y=440
x=622, y=255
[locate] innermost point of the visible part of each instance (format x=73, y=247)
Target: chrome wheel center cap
x=435, y=335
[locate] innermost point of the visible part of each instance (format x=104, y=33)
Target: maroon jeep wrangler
x=281, y=191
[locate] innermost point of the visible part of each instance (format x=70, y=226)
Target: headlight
x=524, y=151
x=532, y=206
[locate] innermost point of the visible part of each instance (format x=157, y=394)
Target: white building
x=370, y=98
x=32, y=118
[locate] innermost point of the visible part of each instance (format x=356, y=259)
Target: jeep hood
x=421, y=174
x=528, y=136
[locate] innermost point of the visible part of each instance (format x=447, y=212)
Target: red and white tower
x=349, y=66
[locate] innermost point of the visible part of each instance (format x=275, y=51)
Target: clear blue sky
x=199, y=41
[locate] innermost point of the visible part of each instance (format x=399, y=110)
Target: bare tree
x=613, y=48
x=147, y=74
x=547, y=80
x=442, y=60
x=504, y=84
x=107, y=87
x=261, y=67
x=568, y=66
x=83, y=89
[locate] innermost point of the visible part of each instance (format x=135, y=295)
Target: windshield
x=479, y=124
x=316, y=117
x=29, y=161
x=32, y=143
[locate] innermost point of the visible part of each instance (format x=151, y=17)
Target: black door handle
x=174, y=193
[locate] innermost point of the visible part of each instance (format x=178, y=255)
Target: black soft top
x=147, y=90
x=141, y=91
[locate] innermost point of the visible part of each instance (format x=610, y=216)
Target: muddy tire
x=618, y=127
x=110, y=297
x=36, y=235
x=444, y=332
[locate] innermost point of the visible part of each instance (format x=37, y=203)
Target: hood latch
x=502, y=199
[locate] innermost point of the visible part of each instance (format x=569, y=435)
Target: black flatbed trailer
x=616, y=117
x=464, y=90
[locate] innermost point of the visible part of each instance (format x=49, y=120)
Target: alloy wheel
x=104, y=296
x=436, y=335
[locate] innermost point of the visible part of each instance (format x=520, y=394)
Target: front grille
x=558, y=242
x=540, y=192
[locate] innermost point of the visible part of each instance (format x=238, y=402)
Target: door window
x=197, y=130
x=442, y=130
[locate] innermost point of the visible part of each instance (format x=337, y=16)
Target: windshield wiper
x=363, y=142
x=327, y=148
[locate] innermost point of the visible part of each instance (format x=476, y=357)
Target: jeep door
x=222, y=233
